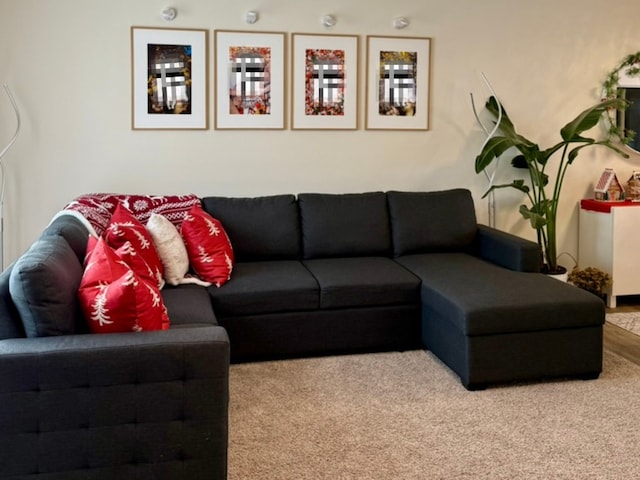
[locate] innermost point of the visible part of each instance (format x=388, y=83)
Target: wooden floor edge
x=621, y=341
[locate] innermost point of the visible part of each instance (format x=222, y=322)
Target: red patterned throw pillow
x=114, y=298
x=131, y=239
x=208, y=246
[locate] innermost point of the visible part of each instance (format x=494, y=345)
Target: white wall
x=68, y=64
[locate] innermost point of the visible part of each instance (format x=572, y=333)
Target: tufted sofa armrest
x=507, y=250
x=131, y=405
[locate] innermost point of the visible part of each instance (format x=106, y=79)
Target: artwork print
x=397, y=83
x=324, y=82
x=169, y=79
x=249, y=80
x=169, y=84
x=324, y=79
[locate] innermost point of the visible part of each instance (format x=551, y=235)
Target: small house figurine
x=608, y=188
x=632, y=192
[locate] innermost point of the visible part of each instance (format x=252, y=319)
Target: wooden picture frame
x=169, y=78
x=398, y=83
x=324, y=75
x=249, y=80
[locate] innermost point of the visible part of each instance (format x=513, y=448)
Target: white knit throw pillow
x=171, y=250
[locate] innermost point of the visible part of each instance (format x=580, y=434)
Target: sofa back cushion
x=341, y=225
x=74, y=232
x=259, y=228
x=10, y=323
x=431, y=221
x=44, y=285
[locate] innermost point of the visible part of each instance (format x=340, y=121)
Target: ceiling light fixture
x=169, y=14
x=251, y=17
x=400, y=22
x=329, y=21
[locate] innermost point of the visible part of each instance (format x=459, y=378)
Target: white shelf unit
x=609, y=239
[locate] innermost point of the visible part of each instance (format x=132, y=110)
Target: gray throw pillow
x=44, y=286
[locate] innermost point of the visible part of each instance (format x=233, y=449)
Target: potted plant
x=590, y=279
x=542, y=193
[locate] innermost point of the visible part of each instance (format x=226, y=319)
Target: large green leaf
x=615, y=148
x=506, y=126
x=505, y=123
x=588, y=119
x=520, y=161
x=494, y=148
x=536, y=219
x=539, y=178
x=574, y=153
x=517, y=184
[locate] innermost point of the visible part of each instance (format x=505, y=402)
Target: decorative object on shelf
x=324, y=76
x=400, y=22
x=609, y=188
x=169, y=78
x=169, y=14
x=543, y=203
x=620, y=82
x=3, y=172
x=590, y=279
x=251, y=17
x=329, y=21
x=398, y=87
x=632, y=190
x=249, y=80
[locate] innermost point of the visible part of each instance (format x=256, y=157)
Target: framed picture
x=249, y=80
x=169, y=78
x=398, y=83
x=325, y=81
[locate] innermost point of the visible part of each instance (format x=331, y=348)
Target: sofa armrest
x=130, y=405
x=507, y=250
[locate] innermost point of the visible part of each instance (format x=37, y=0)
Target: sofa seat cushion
x=363, y=282
x=266, y=287
x=188, y=305
x=481, y=298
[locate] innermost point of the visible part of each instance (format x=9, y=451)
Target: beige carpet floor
x=627, y=320
x=400, y=416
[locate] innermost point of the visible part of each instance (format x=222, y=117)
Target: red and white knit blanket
x=97, y=208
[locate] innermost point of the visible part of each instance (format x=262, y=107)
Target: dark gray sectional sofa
x=315, y=274
x=327, y=273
